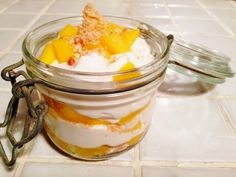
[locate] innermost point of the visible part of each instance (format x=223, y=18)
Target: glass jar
x=90, y=116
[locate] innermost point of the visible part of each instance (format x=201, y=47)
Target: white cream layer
x=96, y=136
x=139, y=54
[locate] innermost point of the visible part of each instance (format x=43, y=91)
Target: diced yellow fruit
x=48, y=55
x=129, y=36
x=63, y=50
x=123, y=77
x=92, y=46
x=128, y=66
x=114, y=44
x=112, y=27
x=68, y=30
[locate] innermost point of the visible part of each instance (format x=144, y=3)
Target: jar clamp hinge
x=33, y=120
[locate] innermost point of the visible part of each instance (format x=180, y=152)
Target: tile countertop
x=193, y=132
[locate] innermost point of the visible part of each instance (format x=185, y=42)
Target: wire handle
x=33, y=120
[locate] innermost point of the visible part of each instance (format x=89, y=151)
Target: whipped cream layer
x=95, y=136
x=139, y=54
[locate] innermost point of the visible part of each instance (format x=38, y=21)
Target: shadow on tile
x=176, y=84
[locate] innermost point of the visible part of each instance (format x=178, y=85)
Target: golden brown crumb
x=92, y=27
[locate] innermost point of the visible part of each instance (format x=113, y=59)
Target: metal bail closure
x=32, y=122
x=199, y=62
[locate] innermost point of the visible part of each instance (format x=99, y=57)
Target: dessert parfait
x=99, y=122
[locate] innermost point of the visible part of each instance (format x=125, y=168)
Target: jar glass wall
x=90, y=116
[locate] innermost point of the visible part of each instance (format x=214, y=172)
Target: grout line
x=230, y=97
x=154, y=163
x=72, y=161
x=159, y=163
x=225, y=27
x=10, y=29
x=64, y=14
x=227, y=118
x=150, y=4
x=10, y=4
x=22, y=13
x=136, y=162
x=208, y=35
x=206, y=165
x=172, y=18
x=21, y=162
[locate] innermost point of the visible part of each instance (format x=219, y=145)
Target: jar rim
x=35, y=60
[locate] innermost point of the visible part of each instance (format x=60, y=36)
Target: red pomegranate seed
x=71, y=62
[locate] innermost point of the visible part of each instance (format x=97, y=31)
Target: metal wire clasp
x=33, y=120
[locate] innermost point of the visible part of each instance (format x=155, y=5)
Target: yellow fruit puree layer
x=61, y=110
x=91, y=153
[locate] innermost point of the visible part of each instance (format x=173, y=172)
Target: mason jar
x=90, y=116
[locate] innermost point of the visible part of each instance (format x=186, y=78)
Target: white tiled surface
x=194, y=129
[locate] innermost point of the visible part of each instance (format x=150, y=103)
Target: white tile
x=159, y=2
x=6, y=61
x=188, y=129
x=44, y=148
x=73, y=1
x=74, y=170
x=126, y=156
x=217, y=3
x=18, y=123
x=75, y=8
x=38, y=1
x=45, y=19
x=15, y=20
x=182, y=3
x=231, y=24
x=194, y=26
x=228, y=88
x=18, y=45
x=26, y=7
x=5, y=98
x=112, y=8
x=229, y=14
x=6, y=172
x=140, y=11
x=7, y=38
x=108, y=8
x=189, y=172
x=4, y=4
x=188, y=12
x=163, y=24
x=9, y=59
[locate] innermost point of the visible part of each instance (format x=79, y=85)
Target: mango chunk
x=121, y=42
x=123, y=77
x=48, y=55
x=128, y=66
x=68, y=30
x=112, y=27
x=129, y=36
x=63, y=50
x=114, y=43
